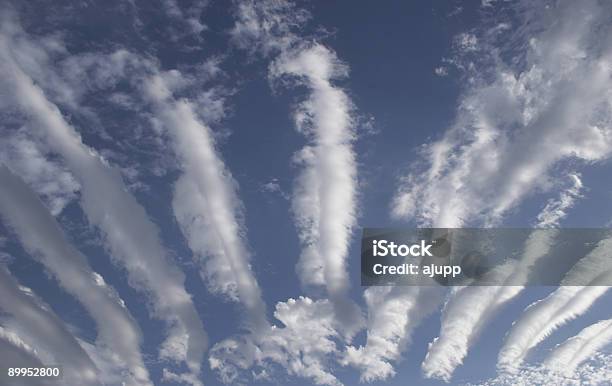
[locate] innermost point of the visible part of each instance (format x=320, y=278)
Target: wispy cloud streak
x=472, y=175
x=48, y=178
x=566, y=303
x=555, y=210
x=552, y=108
x=43, y=239
x=324, y=199
x=14, y=352
x=206, y=204
x=469, y=310
x=13, y=339
x=42, y=330
x=130, y=236
x=566, y=357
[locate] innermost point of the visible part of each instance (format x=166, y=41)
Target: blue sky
x=204, y=169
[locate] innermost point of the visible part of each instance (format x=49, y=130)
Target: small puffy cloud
x=304, y=346
x=555, y=210
x=273, y=187
x=488, y=3
x=466, y=42
x=441, y=71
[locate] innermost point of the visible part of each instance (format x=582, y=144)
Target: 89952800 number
x=40, y=372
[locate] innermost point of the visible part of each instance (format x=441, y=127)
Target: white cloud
x=267, y=26
x=304, y=346
x=42, y=238
x=188, y=19
x=535, y=108
x=464, y=315
x=206, y=203
x=393, y=315
x=14, y=352
x=274, y=186
x=323, y=203
x=186, y=378
x=469, y=310
x=48, y=178
x=441, y=71
x=271, y=186
x=466, y=42
x=566, y=357
x=130, y=236
x=488, y=3
x=324, y=199
x=553, y=108
x=557, y=209
x=598, y=371
x=13, y=339
x=566, y=303
x=324, y=195
x=44, y=332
